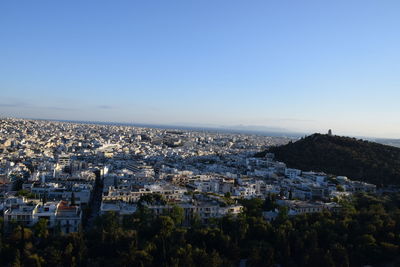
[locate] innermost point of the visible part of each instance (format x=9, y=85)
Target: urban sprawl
x=69, y=173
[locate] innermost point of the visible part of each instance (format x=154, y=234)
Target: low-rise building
x=68, y=218
x=57, y=214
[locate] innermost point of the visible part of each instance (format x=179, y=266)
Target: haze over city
x=303, y=66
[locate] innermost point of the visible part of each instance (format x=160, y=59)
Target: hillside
x=357, y=159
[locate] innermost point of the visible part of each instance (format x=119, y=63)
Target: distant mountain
x=358, y=159
x=264, y=130
x=389, y=142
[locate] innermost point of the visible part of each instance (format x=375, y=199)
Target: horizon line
x=209, y=128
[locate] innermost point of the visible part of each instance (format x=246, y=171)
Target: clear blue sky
x=298, y=65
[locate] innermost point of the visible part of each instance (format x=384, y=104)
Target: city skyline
x=302, y=67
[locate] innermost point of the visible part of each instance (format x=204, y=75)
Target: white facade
x=292, y=173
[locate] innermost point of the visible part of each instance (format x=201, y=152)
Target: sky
x=305, y=66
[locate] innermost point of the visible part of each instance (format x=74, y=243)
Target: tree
x=152, y=199
x=339, y=188
x=17, y=259
x=164, y=228
x=177, y=214
x=270, y=202
x=283, y=214
x=44, y=198
x=214, y=259
x=73, y=199
x=17, y=185
x=40, y=229
x=364, y=232
x=253, y=207
x=25, y=193
x=35, y=260
x=282, y=192
x=142, y=258
x=69, y=258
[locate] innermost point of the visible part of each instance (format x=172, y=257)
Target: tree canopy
x=365, y=232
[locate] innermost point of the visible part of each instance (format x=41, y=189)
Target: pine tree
x=17, y=259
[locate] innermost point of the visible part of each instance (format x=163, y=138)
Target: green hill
x=359, y=160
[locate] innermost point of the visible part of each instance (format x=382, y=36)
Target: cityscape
x=66, y=176
x=199, y=133
x=111, y=168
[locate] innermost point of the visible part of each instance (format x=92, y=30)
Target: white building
x=68, y=218
x=292, y=173
x=60, y=214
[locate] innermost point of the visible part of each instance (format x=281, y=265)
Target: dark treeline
x=359, y=160
x=366, y=231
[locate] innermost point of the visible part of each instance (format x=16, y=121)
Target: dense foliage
x=367, y=231
x=357, y=159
